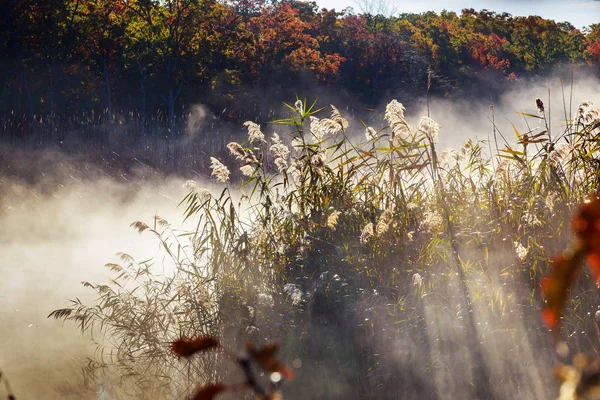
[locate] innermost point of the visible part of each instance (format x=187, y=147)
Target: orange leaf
x=586, y=225
x=264, y=353
x=265, y=357
x=189, y=347
x=593, y=261
x=556, y=286
x=208, y=392
x=274, y=365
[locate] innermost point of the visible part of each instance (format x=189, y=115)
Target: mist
x=63, y=216
x=58, y=230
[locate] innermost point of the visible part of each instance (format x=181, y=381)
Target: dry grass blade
x=10, y=395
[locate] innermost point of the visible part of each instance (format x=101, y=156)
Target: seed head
x=394, y=114
x=203, y=195
x=316, y=128
x=278, y=148
x=417, y=280
x=265, y=300
x=521, y=251
x=237, y=150
x=332, y=220
x=429, y=128
x=540, y=105
x=337, y=118
x=366, y=233
x=318, y=160
x=219, y=171
x=190, y=185
x=432, y=221
x=254, y=133
x=370, y=133
x=247, y=170
x=297, y=144
x=383, y=224
x=587, y=114
x=281, y=164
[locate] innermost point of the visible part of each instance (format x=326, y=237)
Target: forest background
x=67, y=64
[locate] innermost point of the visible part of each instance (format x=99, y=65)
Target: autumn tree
x=102, y=27
x=592, y=51
x=281, y=40
x=176, y=29
x=152, y=58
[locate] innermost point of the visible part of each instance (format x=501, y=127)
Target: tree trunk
x=171, y=113
x=106, y=74
x=173, y=92
x=143, y=76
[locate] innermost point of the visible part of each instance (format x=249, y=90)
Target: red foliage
x=265, y=358
x=189, y=347
x=487, y=51
x=208, y=392
x=593, y=52
x=586, y=225
x=281, y=36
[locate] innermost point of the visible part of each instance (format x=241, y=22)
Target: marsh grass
x=386, y=269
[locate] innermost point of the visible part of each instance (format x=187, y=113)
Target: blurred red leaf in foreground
x=208, y=392
x=556, y=287
x=265, y=357
x=189, y=347
x=586, y=225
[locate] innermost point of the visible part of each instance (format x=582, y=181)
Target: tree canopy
x=150, y=57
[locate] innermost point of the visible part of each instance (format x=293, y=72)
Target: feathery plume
x=219, y=171
x=278, y=148
x=332, y=220
x=316, y=128
x=549, y=201
x=429, y=128
x=336, y=117
x=394, y=114
x=417, y=280
x=203, y=194
x=297, y=144
x=432, y=221
x=446, y=155
x=587, y=114
x=318, y=159
x=254, y=133
x=281, y=164
x=521, y=251
x=370, y=133
x=295, y=169
x=560, y=154
x=531, y=219
x=189, y=185
x=502, y=167
x=247, y=170
x=383, y=223
x=366, y=233
x=237, y=150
